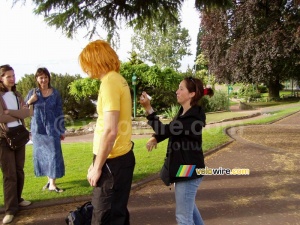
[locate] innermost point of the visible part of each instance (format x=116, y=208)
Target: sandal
x=57, y=190
x=46, y=186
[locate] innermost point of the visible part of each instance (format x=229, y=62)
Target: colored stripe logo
x=185, y=170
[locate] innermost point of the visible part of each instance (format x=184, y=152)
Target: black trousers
x=12, y=166
x=110, y=197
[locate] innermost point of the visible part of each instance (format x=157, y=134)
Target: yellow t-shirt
x=114, y=95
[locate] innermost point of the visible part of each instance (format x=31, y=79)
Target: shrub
x=262, y=89
x=218, y=102
x=172, y=111
x=249, y=93
x=254, y=97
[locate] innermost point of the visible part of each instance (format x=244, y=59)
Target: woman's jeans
x=187, y=212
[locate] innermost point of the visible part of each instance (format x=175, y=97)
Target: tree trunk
x=274, y=88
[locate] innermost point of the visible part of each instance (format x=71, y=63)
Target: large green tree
x=162, y=48
x=198, y=49
x=257, y=41
x=71, y=15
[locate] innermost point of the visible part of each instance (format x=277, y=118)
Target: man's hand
x=93, y=175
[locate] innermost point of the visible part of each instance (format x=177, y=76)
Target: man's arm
x=107, y=141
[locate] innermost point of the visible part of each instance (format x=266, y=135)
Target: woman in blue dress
x=47, y=130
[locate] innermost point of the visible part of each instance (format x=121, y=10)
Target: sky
x=28, y=43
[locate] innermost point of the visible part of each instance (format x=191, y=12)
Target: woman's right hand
x=32, y=99
x=145, y=102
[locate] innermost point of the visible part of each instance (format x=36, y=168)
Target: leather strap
x=3, y=126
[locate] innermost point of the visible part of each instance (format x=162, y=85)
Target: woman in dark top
x=184, y=152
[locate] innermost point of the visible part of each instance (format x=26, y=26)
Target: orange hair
x=98, y=58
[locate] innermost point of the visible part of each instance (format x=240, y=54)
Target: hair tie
x=208, y=91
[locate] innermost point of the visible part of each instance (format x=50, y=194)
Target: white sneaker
x=24, y=203
x=7, y=219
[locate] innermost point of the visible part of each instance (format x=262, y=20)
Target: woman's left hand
x=62, y=137
x=152, y=143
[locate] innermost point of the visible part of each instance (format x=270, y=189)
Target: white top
x=11, y=103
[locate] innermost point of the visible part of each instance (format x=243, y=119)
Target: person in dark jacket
x=184, y=152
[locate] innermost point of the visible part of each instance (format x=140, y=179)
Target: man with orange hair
x=112, y=169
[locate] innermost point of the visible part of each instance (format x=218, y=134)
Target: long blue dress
x=47, y=124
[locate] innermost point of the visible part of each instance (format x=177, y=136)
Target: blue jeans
x=187, y=212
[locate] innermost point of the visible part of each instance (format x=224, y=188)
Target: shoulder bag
x=165, y=173
x=16, y=137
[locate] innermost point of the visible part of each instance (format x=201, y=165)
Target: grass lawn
x=272, y=103
x=216, y=117
x=78, y=157
x=76, y=124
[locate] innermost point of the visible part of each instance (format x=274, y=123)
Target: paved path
x=269, y=195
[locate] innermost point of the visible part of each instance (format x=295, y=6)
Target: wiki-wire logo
x=185, y=170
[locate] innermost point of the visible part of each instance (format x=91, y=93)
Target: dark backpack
x=81, y=216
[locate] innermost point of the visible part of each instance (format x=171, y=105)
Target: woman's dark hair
x=196, y=85
x=43, y=71
x=3, y=70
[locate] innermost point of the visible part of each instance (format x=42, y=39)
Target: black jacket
x=185, y=140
